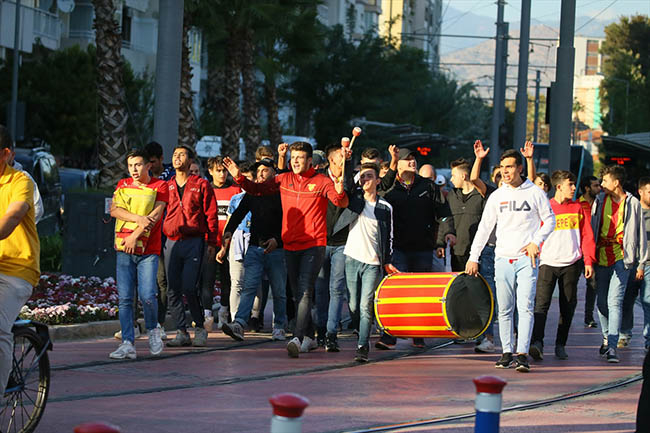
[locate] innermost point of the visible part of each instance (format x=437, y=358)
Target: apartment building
x=356, y=16
x=415, y=23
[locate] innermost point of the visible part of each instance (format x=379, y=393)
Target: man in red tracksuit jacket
x=304, y=195
x=190, y=224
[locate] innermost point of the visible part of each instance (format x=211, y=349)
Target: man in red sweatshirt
x=304, y=195
x=191, y=219
x=567, y=251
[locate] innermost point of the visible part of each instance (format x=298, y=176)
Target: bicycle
x=29, y=379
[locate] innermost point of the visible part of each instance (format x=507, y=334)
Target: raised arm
x=475, y=176
x=269, y=187
x=282, y=155
x=389, y=178
x=528, y=151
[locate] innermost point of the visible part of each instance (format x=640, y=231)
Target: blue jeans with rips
x=330, y=289
x=637, y=289
x=363, y=280
x=610, y=290
x=256, y=263
x=132, y=270
x=516, y=282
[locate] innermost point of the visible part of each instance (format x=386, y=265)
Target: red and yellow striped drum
x=446, y=304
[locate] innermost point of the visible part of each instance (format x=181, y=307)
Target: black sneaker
x=612, y=357
x=536, y=350
x=419, y=343
x=603, y=349
x=362, y=354
x=386, y=342
x=331, y=343
x=590, y=323
x=254, y=324
x=560, y=352
x=521, y=364
x=505, y=361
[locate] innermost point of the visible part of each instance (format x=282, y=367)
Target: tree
x=627, y=63
x=112, y=138
x=186, y=129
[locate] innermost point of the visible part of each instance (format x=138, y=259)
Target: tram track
x=599, y=389
x=228, y=380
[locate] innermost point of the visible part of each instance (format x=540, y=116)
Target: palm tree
x=112, y=137
x=250, y=106
x=186, y=129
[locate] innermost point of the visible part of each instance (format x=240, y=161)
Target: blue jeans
x=610, y=290
x=413, y=261
x=256, y=263
x=634, y=288
x=302, y=270
x=486, y=269
x=330, y=289
x=363, y=280
x=132, y=270
x=515, y=281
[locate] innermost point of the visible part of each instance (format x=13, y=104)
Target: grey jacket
x=635, y=244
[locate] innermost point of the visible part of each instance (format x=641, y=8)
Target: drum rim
x=444, y=300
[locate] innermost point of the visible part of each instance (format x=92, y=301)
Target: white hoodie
x=518, y=214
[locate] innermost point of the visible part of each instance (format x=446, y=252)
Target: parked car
x=40, y=163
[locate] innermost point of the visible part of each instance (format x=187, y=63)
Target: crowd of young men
x=332, y=234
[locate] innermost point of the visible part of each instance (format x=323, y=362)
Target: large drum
x=446, y=304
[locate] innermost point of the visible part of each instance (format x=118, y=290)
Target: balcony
x=47, y=27
x=36, y=24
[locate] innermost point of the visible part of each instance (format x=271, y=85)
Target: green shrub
x=51, y=252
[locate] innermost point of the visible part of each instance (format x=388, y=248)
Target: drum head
x=468, y=305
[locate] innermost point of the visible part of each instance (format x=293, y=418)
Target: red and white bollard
x=96, y=427
x=287, y=412
x=488, y=403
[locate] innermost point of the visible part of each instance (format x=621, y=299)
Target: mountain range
x=473, y=59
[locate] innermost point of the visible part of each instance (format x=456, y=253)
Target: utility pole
x=168, y=75
x=521, y=109
x=536, y=124
x=499, y=97
x=562, y=101
x=13, y=123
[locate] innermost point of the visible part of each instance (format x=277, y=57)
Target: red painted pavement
x=228, y=390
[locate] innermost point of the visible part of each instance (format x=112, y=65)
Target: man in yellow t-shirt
x=19, y=249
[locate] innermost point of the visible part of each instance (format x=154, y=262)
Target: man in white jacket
x=524, y=219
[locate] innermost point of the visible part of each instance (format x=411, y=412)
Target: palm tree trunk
x=271, y=98
x=112, y=143
x=186, y=130
x=231, y=121
x=250, y=104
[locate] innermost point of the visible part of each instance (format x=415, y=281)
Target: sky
x=550, y=9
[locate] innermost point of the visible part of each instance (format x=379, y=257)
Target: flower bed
x=61, y=299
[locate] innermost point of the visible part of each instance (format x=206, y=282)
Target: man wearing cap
x=264, y=254
x=422, y=223
x=304, y=194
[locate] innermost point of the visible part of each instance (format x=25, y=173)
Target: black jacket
x=266, y=218
x=466, y=211
x=383, y=213
x=419, y=212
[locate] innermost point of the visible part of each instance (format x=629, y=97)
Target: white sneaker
x=208, y=323
x=308, y=344
x=293, y=347
x=155, y=342
x=223, y=316
x=278, y=335
x=486, y=346
x=136, y=333
x=125, y=351
x=163, y=334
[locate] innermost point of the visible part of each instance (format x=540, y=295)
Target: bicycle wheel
x=28, y=386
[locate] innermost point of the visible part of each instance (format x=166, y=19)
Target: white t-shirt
x=363, y=237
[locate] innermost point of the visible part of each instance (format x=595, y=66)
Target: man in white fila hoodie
x=524, y=219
